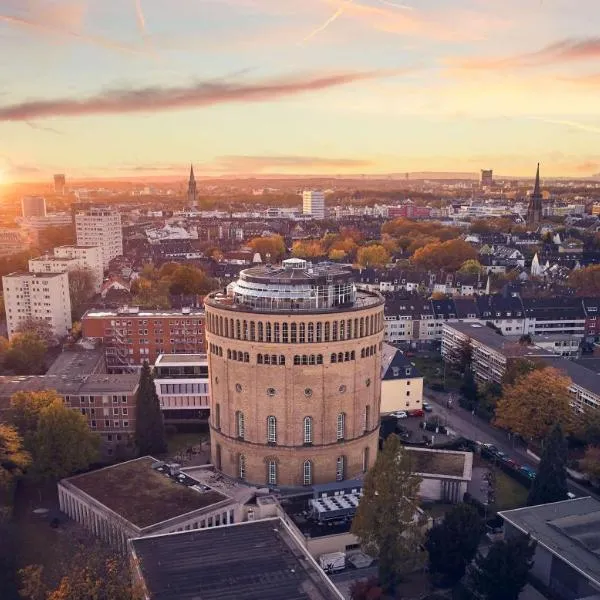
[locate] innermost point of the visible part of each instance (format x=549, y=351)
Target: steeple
x=534, y=210
x=536, y=187
x=192, y=194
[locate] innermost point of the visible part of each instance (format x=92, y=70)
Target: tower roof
x=192, y=172
x=536, y=188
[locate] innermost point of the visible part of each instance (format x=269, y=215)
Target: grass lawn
x=509, y=493
x=432, y=369
x=180, y=442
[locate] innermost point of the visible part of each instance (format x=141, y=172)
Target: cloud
x=257, y=164
x=570, y=124
x=204, y=93
x=568, y=50
x=334, y=17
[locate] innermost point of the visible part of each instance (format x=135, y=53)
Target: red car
x=417, y=412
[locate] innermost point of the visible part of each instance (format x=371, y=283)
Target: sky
x=117, y=88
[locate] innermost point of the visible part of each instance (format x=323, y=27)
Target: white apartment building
x=313, y=204
x=37, y=296
x=12, y=241
x=71, y=258
x=98, y=226
x=33, y=206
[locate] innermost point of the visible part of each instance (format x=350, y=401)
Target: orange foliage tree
x=448, y=255
x=272, y=244
x=308, y=249
x=372, y=256
x=586, y=281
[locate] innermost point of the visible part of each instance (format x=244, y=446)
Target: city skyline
x=319, y=87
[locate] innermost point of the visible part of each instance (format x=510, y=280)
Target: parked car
x=399, y=414
x=427, y=407
x=528, y=471
x=417, y=412
x=511, y=463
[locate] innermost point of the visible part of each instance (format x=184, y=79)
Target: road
x=467, y=425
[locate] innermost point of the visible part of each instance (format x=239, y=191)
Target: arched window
x=252, y=330
x=327, y=328
x=229, y=354
x=268, y=332
x=362, y=327
x=355, y=328
x=242, y=466
x=260, y=331
x=347, y=356
x=341, y=426
x=352, y=355
x=334, y=331
x=311, y=333
x=307, y=472
x=273, y=359
x=333, y=357
x=297, y=359
x=342, y=330
x=304, y=359
x=348, y=329
x=239, y=422
x=362, y=352
x=246, y=357
x=319, y=359
x=302, y=333
x=341, y=357
x=293, y=333
x=271, y=472
x=238, y=329
x=271, y=430
x=267, y=359
x=365, y=465
x=276, y=333
x=259, y=359
x=226, y=328
x=245, y=329
x=281, y=359
x=312, y=360
x=308, y=430
x=218, y=416
x=284, y=333
x=340, y=465
x=319, y=332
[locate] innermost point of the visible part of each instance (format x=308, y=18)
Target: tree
x=375, y=255
x=26, y=354
x=32, y=583
x=468, y=389
x=502, y=574
x=590, y=463
x=307, y=249
x=535, y=403
x=453, y=543
x=81, y=289
x=587, y=426
x=149, y=425
x=471, y=267
x=25, y=408
x=385, y=520
x=366, y=589
x=274, y=245
x=149, y=293
x=187, y=279
x=518, y=367
x=586, y=281
x=550, y=483
x=448, y=255
x=40, y=328
x=14, y=459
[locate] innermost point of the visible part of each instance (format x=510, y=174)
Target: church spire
x=534, y=210
x=536, y=187
x=192, y=192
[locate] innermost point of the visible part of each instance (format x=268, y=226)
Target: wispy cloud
x=200, y=94
x=576, y=125
x=258, y=164
x=59, y=32
x=564, y=51
x=39, y=127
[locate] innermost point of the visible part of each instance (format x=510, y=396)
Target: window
x=307, y=472
x=308, y=392
x=241, y=466
x=339, y=468
x=272, y=472
x=271, y=430
x=367, y=417
x=333, y=357
x=271, y=391
x=240, y=424
x=308, y=433
x=341, y=426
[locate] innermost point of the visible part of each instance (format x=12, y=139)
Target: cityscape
x=299, y=300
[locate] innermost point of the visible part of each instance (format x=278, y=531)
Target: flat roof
x=102, y=313
x=257, y=560
x=181, y=359
x=56, y=259
x=569, y=529
x=141, y=494
x=580, y=375
x=18, y=274
x=445, y=463
x=77, y=362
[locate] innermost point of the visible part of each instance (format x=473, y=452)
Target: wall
x=394, y=394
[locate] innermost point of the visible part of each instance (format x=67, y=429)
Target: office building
x=37, y=296
x=486, y=178
x=313, y=204
x=33, y=206
x=97, y=226
x=131, y=335
x=295, y=368
x=60, y=184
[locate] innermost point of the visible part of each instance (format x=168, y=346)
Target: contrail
x=73, y=34
x=140, y=17
x=334, y=17
x=395, y=5
x=571, y=124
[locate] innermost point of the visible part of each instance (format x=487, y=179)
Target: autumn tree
x=149, y=293
x=518, y=367
x=590, y=463
x=372, y=256
x=14, y=459
x=448, y=255
x=187, y=279
x=81, y=289
x=366, y=589
x=26, y=354
x=385, y=522
x=533, y=404
x=307, y=249
x=452, y=544
x=149, y=424
x=586, y=282
x=471, y=267
x=40, y=328
x=274, y=245
x=550, y=483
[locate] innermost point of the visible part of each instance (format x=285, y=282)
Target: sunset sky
x=114, y=88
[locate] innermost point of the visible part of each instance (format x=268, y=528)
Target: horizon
x=325, y=88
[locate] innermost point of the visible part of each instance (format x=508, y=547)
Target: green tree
x=452, y=544
x=25, y=408
x=149, y=425
x=26, y=354
x=469, y=390
x=502, y=573
x=385, y=521
x=81, y=289
x=471, y=267
x=550, y=483
x=149, y=293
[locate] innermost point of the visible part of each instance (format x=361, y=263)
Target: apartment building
x=401, y=383
x=313, y=204
x=545, y=316
x=12, y=241
x=37, y=296
x=132, y=335
x=88, y=257
x=98, y=226
x=33, y=206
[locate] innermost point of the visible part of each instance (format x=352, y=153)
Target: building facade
x=131, y=335
x=313, y=204
x=401, y=383
x=295, y=368
x=88, y=257
x=37, y=296
x=60, y=182
x=33, y=206
x=101, y=227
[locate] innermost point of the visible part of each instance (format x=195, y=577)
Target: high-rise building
x=33, y=206
x=294, y=362
x=37, y=296
x=534, y=210
x=487, y=178
x=100, y=226
x=70, y=258
x=313, y=204
x=60, y=183
x=192, y=193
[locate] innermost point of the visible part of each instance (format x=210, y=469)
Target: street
x=467, y=425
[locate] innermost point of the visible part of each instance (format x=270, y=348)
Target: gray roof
x=77, y=362
x=257, y=560
x=394, y=365
x=181, y=359
x=580, y=375
x=570, y=530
